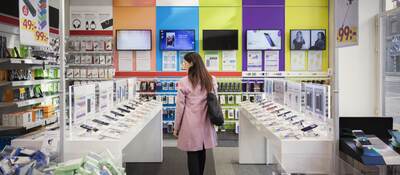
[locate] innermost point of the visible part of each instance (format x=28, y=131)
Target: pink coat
x=193, y=126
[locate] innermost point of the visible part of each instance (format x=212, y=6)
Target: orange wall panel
x=137, y=18
x=134, y=3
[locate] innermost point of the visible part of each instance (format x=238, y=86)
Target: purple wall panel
x=264, y=18
x=263, y=2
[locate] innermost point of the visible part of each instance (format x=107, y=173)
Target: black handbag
x=214, y=111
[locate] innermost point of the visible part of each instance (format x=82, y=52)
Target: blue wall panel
x=176, y=18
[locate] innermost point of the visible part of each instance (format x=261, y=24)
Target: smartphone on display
x=308, y=128
x=359, y=133
x=269, y=39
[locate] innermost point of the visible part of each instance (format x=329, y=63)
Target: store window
x=391, y=64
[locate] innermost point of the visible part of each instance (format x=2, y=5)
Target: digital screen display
x=220, y=39
x=318, y=40
x=133, y=40
x=177, y=40
x=300, y=39
x=264, y=39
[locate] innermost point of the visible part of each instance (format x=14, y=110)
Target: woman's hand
x=175, y=133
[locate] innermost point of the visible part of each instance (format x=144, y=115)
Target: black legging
x=196, y=162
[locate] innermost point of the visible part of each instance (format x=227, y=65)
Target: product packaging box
x=70, y=73
x=101, y=73
x=77, y=59
x=77, y=73
x=96, y=59
x=83, y=73
x=108, y=59
x=95, y=73
x=102, y=59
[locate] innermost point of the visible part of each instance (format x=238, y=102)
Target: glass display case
x=390, y=62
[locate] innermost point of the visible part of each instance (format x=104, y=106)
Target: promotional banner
x=346, y=27
x=34, y=22
x=91, y=18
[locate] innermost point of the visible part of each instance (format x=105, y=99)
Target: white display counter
x=140, y=143
x=258, y=144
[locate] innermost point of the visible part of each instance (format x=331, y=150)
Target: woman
x=299, y=41
x=320, y=42
x=192, y=126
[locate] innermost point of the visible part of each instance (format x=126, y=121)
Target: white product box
x=95, y=45
x=101, y=73
x=108, y=46
x=95, y=73
x=70, y=73
x=108, y=59
x=83, y=73
x=89, y=45
x=89, y=73
x=77, y=59
x=89, y=59
x=83, y=45
x=77, y=73
x=96, y=59
x=101, y=45
x=102, y=59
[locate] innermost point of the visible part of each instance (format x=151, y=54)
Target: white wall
x=357, y=67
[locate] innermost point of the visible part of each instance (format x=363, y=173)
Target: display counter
x=135, y=137
x=269, y=136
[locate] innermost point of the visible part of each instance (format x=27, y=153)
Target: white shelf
x=90, y=52
x=34, y=124
x=230, y=93
x=31, y=61
x=89, y=79
x=90, y=65
x=29, y=102
x=27, y=82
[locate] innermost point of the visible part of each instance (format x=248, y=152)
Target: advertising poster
x=212, y=60
x=143, y=61
x=169, y=59
x=346, y=27
x=181, y=58
x=91, y=18
x=34, y=22
x=177, y=39
x=254, y=60
x=314, y=61
x=125, y=61
x=271, y=61
x=300, y=39
x=229, y=60
x=84, y=101
x=264, y=39
x=298, y=60
x=106, y=90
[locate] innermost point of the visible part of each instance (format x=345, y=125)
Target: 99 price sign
x=347, y=34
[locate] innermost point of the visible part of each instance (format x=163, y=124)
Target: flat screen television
x=318, y=39
x=300, y=39
x=177, y=40
x=264, y=39
x=128, y=40
x=220, y=39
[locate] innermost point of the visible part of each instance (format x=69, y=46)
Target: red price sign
x=347, y=34
x=41, y=36
x=29, y=25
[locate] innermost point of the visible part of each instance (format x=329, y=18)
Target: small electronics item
x=128, y=107
x=361, y=138
x=284, y=114
x=129, y=40
x=298, y=122
x=101, y=122
x=109, y=117
x=89, y=128
x=291, y=117
x=177, y=40
x=117, y=114
x=220, y=39
x=123, y=110
x=309, y=128
x=107, y=23
x=278, y=110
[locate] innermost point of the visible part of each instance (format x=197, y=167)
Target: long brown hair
x=198, y=73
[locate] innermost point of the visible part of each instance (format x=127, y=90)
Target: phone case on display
x=231, y=114
x=222, y=99
x=77, y=73
x=108, y=46
x=89, y=45
x=83, y=45
x=95, y=45
x=244, y=98
x=171, y=86
x=252, y=98
x=171, y=100
x=231, y=100
x=238, y=99
x=152, y=86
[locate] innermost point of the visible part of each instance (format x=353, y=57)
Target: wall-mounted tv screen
x=318, y=39
x=177, y=39
x=264, y=39
x=299, y=39
x=220, y=39
x=133, y=40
